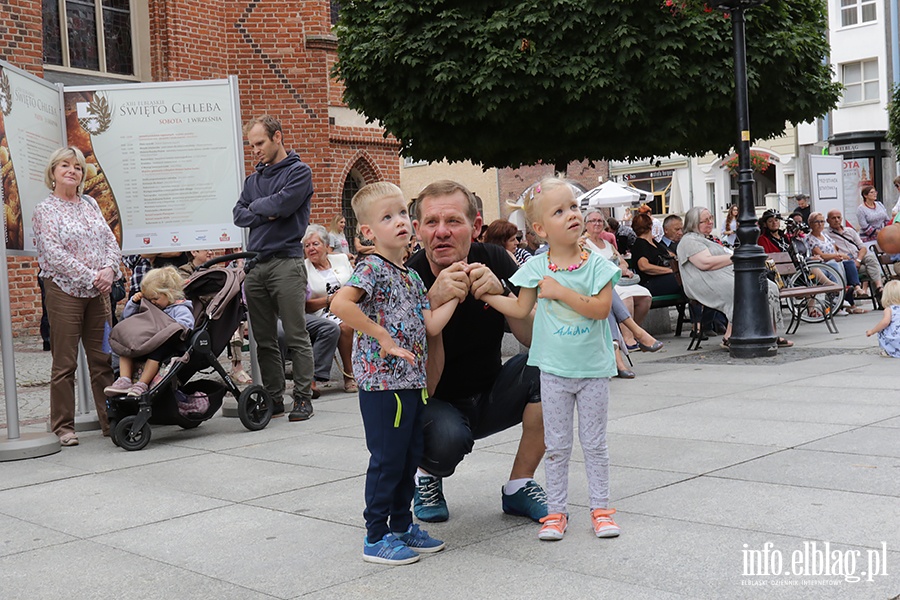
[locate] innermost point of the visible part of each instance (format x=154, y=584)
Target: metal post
x=753, y=332
x=86, y=418
x=83, y=381
x=17, y=445
x=255, y=373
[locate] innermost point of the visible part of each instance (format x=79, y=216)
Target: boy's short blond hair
x=533, y=198
x=370, y=193
x=165, y=281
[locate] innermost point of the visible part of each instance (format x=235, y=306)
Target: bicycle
x=811, y=273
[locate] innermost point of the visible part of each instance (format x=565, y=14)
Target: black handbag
x=117, y=293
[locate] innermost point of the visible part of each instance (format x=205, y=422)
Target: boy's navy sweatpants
x=393, y=423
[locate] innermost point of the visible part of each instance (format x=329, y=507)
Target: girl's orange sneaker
x=553, y=527
x=604, y=526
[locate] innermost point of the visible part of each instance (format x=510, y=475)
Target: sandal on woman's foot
x=784, y=343
x=350, y=386
x=726, y=343
x=632, y=348
x=240, y=376
x=68, y=439
x=857, y=310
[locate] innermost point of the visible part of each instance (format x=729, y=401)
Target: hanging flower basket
x=688, y=8
x=759, y=162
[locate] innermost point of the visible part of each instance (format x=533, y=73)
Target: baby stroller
x=216, y=297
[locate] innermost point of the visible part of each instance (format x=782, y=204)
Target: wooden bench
x=799, y=297
x=679, y=301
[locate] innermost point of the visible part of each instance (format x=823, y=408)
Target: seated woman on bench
x=654, y=263
x=708, y=273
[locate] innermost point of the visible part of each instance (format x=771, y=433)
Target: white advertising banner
x=826, y=176
x=858, y=172
x=164, y=161
x=31, y=129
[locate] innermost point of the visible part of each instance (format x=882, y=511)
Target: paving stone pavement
x=724, y=473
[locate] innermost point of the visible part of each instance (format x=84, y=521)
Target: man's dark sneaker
x=277, y=408
x=429, y=504
x=302, y=410
x=530, y=501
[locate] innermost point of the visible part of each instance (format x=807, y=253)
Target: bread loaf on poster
x=96, y=184
x=12, y=204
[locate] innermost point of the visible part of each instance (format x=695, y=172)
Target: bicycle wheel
x=822, y=304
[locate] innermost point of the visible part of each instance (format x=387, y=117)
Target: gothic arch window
x=335, y=9
x=352, y=184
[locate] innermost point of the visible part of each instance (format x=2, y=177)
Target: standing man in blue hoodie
x=274, y=205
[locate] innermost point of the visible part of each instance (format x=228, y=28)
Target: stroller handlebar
x=226, y=258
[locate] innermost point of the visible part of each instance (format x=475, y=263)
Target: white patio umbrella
x=610, y=194
x=676, y=202
x=517, y=218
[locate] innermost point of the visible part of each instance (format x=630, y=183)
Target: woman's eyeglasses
x=593, y=221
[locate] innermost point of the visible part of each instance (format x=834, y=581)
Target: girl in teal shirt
x=572, y=346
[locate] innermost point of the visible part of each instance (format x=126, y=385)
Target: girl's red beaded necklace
x=554, y=268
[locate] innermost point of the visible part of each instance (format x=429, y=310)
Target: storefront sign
x=856, y=147
x=647, y=175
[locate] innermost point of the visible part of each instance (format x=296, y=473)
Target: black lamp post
x=752, y=333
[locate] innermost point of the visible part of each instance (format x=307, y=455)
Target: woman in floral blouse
x=79, y=259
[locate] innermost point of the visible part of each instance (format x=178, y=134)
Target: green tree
x=512, y=82
x=893, y=108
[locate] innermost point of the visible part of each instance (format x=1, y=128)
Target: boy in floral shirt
x=386, y=304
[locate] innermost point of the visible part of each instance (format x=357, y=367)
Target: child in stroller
x=164, y=289
x=214, y=295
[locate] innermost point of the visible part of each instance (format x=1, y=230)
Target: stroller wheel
x=126, y=437
x=255, y=407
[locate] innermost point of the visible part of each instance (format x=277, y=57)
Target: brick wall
x=21, y=39
x=512, y=182
x=282, y=52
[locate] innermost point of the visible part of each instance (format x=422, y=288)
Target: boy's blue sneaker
x=530, y=501
x=389, y=550
x=429, y=504
x=418, y=540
